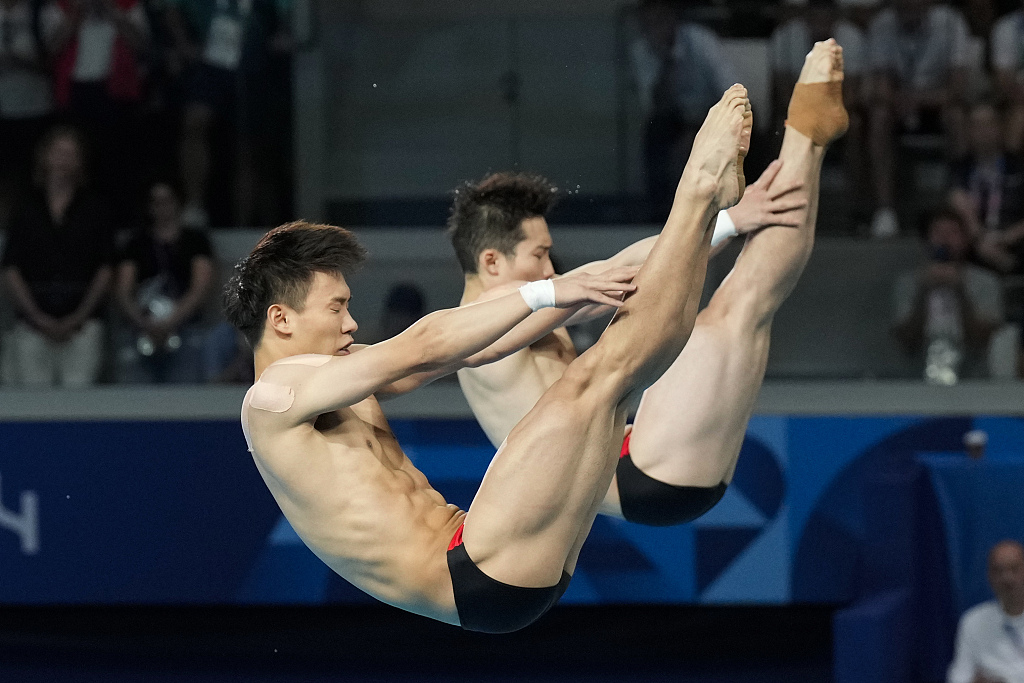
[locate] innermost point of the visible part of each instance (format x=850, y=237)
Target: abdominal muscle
x=380, y=527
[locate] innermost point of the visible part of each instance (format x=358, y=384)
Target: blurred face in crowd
x=947, y=233
x=532, y=259
x=912, y=12
x=63, y=158
x=986, y=131
x=658, y=24
x=163, y=204
x=1006, y=574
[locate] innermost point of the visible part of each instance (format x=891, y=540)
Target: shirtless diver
x=326, y=453
x=682, y=450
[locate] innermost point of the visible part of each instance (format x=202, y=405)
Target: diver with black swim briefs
x=682, y=451
x=326, y=452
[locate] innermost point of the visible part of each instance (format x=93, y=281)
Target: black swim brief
x=491, y=606
x=646, y=500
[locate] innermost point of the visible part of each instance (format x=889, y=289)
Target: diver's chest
x=346, y=428
x=556, y=347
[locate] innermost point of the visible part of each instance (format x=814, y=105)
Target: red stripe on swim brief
x=625, y=446
x=457, y=538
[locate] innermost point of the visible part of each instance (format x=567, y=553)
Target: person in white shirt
x=919, y=58
x=1008, y=64
x=98, y=76
x=792, y=40
x=990, y=638
x=679, y=70
x=946, y=311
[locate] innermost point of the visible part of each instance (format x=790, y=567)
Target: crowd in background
x=924, y=81
x=128, y=126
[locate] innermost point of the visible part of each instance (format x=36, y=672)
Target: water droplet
x=68, y=497
x=374, y=85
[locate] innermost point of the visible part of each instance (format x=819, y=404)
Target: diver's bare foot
x=823, y=63
x=816, y=107
x=716, y=159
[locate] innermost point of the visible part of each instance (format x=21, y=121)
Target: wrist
x=539, y=294
x=724, y=229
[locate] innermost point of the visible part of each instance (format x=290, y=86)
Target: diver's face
x=324, y=325
x=532, y=259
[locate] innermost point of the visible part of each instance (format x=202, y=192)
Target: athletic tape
x=724, y=229
x=539, y=294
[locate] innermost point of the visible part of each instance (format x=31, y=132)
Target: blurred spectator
x=680, y=72
x=990, y=638
x=946, y=311
x=26, y=101
x=226, y=47
x=860, y=12
x=163, y=281
x=227, y=358
x=980, y=16
x=820, y=20
x=161, y=108
x=404, y=305
x=1007, y=47
x=56, y=264
x=918, y=61
x=98, y=81
x=988, y=192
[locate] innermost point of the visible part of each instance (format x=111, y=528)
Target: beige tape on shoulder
x=273, y=398
x=313, y=360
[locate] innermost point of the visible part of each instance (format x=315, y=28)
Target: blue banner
x=175, y=512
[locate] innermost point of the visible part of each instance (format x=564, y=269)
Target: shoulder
x=980, y=615
x=500, y=372
x=291, y=366
x=1009, y=24
x=273, y=393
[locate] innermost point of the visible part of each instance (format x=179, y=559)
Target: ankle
x=697, y=185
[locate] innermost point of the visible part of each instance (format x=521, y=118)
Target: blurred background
x=146, y=145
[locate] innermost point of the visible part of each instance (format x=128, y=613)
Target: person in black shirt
x=163, y=280
x=56, y=265
x=988, y=193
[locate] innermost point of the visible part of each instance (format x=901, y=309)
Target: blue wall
x=176, y=512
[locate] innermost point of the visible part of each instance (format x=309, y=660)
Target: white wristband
x=539, y=294
x=724, y=229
